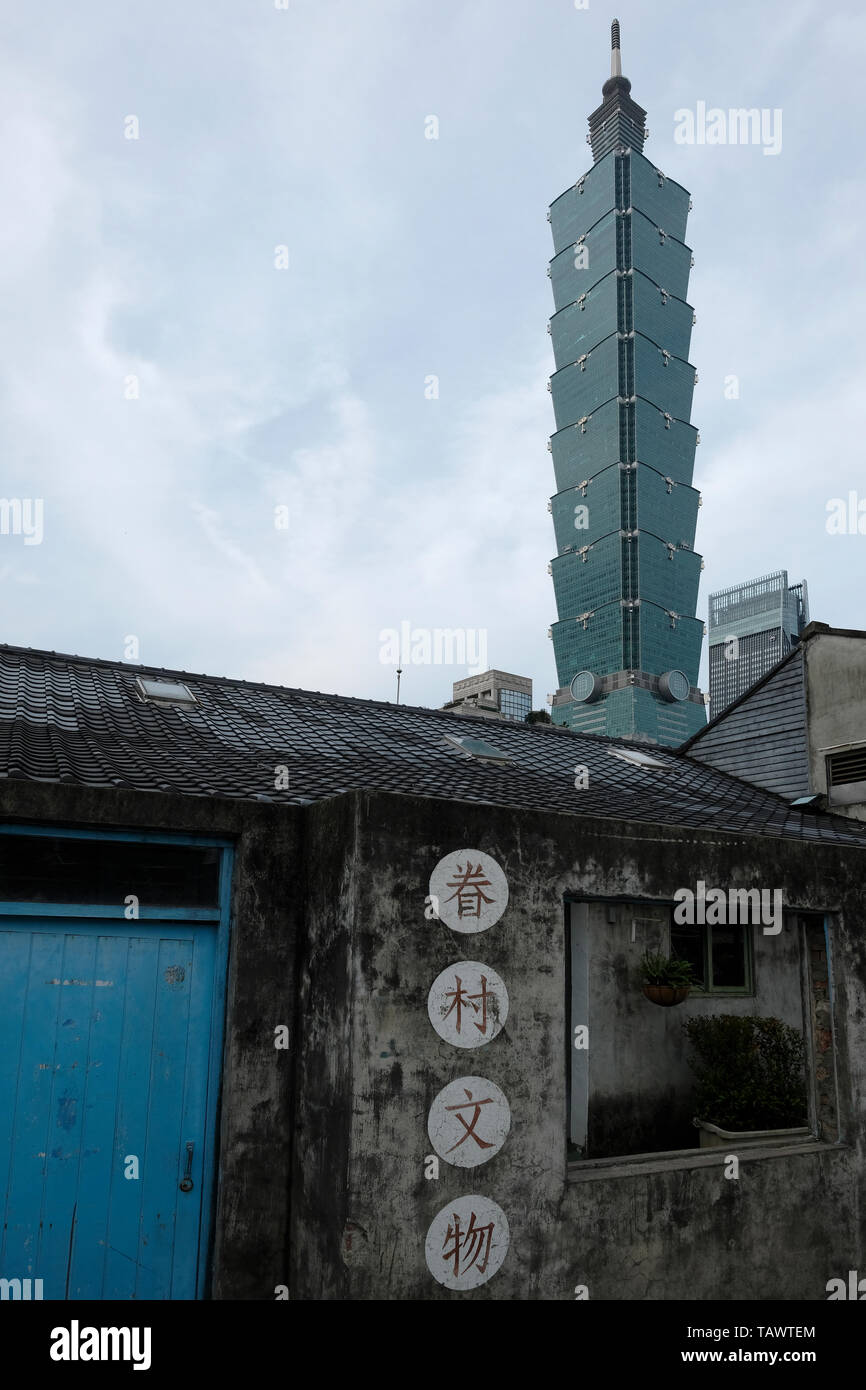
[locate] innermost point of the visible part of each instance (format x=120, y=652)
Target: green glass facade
x=625, y=575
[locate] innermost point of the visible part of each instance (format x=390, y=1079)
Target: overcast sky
x=165, y=384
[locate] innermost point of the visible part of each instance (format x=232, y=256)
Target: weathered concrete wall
x=329, y=910
x=325, y=1060
x=836, y=704
x=640, y=1082
x=255, y=1154
x=779, y=1231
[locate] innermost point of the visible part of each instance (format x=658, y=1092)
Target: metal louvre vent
x=847, y=767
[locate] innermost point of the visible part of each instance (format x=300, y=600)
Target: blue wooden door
x=105, y=1043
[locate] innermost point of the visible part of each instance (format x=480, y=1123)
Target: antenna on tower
x=619, y=123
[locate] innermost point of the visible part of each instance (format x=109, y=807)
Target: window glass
x=59, y=870
x=729, y=957
x=689, y=943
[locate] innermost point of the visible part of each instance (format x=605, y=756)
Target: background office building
x=751, y=627
x=627, y=641
x=497, y=694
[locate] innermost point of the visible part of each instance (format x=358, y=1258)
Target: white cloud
x=304, y=388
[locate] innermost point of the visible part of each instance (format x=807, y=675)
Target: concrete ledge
x=635, y=1165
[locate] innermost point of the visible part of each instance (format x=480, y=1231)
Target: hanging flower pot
x=666, y=981
x=666, y=995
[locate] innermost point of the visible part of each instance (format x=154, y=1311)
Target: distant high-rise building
x=627, y=641
x=497, y=694
x=751, y=627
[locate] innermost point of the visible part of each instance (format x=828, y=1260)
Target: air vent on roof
x=477, y=748
x=849, y=766
x=846, y=776
x=158, y=692
x=639, y=759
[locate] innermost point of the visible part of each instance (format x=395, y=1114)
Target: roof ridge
x=139, y=669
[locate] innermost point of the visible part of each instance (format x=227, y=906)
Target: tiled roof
x=69, y=719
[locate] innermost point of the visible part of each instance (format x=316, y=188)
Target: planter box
x=714, y=1138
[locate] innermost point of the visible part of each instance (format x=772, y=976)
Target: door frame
x=220, y=917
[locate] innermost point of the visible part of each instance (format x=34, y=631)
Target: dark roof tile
x=69, y=719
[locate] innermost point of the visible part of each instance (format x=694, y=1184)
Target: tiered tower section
x=627, y=642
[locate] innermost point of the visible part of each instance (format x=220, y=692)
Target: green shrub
x=749, y=1072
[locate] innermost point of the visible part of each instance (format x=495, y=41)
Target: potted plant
x=749, y=1073
x=666, y=979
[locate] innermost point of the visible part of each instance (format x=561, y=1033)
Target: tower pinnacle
x=619, y=122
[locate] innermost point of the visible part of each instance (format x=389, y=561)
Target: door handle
x=186, y=1183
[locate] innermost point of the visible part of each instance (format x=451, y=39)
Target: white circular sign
x=469, y=1121
x=467, y=1242
x=469, y=890
x=468, y=1004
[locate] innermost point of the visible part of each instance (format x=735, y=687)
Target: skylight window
x=639, y=759
x=158, y=692
x=478, y=748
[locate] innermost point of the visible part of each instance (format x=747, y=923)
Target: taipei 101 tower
x=627, y=642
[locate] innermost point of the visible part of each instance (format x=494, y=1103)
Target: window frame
x=706, y=985
x=827, y=1099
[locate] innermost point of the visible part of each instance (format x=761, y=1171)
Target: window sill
x=634, y=1165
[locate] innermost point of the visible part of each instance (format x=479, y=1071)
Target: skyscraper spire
x=615, y=59
x=619, y=123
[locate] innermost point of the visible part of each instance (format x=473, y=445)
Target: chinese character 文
x=475, y=1105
